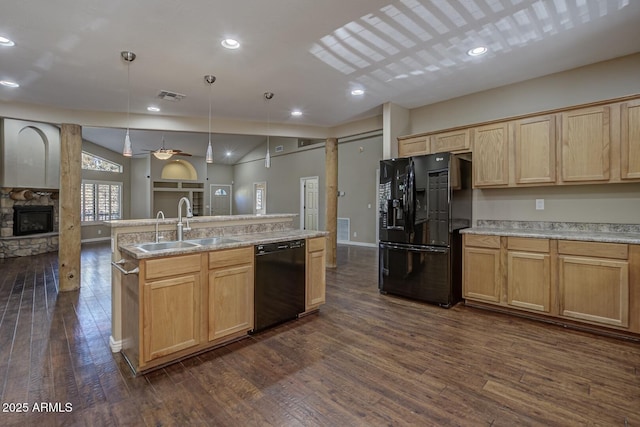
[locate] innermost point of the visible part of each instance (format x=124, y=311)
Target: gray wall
x=358, y=162
x=618, y=203
x=217, y=174
x=282, y=178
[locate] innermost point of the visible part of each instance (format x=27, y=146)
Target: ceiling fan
x=163, y=153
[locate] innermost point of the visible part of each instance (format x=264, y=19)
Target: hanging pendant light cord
x=210, y=90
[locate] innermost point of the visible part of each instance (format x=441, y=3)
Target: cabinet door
x=594, y=289
x=529, y=280
x=490, y=155
x=630, y=140
x=535, y=150
x=413, y=146
x=450, y=141
x=585, y=145
x=316, y=280
x=230, y=300
x=171, y=318
x=482, y=278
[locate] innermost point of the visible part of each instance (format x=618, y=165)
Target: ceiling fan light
x=162, y=154
x=209, y=155
x=127, y=151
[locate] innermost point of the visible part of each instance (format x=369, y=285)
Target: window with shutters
x=100, y=201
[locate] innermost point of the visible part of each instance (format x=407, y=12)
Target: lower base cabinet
x=584, y=282
x=315, y=273
x=230, y=301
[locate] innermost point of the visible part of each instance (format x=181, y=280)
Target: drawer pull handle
x=118, y=264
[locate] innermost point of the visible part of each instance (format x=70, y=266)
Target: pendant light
x=209, y=156
x=267, y=158
x=127, y=150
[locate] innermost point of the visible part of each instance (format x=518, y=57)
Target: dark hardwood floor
x=364, y=360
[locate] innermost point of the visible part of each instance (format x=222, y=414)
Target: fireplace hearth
x=32, y=220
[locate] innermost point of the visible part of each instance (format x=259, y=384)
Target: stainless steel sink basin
x=214, y=241
x=161, y=246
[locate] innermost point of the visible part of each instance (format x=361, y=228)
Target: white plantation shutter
x=100, y=201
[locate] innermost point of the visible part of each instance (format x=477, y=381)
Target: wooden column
x=69, y=207
x=331, y=190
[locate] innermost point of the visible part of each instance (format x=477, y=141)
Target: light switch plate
x=539, y=204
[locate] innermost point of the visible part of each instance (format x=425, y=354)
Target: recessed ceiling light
x=8, y=83
x=153, y=109
x=357, y=92
x=477, y=51
x=228, y=153
x=6, y=42
x=230, y=43
x=296, y=113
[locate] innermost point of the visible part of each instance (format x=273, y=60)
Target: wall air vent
x=279, y=148
x=171, y=96
x=305, y=142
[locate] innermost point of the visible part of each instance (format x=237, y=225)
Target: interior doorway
x=309, y=208
x=220, y=199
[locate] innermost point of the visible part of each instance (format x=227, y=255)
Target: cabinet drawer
x=482, y=241
x=528, y=244
x=173, y=266
x=593, y=249
x=227, y=257
x=316, y=244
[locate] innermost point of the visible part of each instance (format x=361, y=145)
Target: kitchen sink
x=151, y=247
x=214, y=241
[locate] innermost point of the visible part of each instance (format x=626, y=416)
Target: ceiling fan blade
x=180, y=153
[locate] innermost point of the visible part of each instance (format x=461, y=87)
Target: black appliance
x=424, y=202
x=279, y=283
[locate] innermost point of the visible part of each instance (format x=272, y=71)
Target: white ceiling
x=310, y=53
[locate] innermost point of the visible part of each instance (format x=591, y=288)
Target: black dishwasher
x=279, y=283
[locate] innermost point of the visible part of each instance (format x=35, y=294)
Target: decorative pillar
x=331, y=190
x=69, y=216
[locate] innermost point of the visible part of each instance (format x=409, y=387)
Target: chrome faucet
x=189, y=215
x=158, y=215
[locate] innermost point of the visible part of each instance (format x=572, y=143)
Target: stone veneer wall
x=33, y=244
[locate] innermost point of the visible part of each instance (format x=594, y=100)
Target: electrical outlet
x=355, y=234
x=539, y=204
x=99, y=231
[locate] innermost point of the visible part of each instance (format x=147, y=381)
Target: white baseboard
x=349, y=242
x=116, y=346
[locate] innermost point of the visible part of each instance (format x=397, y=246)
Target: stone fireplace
x=36, y=230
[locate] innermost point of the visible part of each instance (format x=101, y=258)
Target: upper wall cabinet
x=630, y=140
x=457, y=141
x=491, y=155
x=586, y=146
x=534, y=150
x=30, y=155
x=413, y=146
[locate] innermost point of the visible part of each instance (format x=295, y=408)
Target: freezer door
x=421, y=273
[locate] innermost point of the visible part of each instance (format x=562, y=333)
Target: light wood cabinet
x=491, y=155
x=594, y=282
x=456, y=141
x=630, y=140
x=534, y=150
x=482, y=275
x=413, y=146
x=585, y=145
x=171, y=315
x=529, y=274
x=315, y=273
x=230, y=292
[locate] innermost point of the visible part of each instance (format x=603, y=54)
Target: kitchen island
x=190, y=297
x=575, y=274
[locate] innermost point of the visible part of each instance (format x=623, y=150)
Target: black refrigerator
x=424, y=202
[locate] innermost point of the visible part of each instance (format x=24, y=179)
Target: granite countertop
x=590, y=232
x=195, y=219
x=240, y=240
